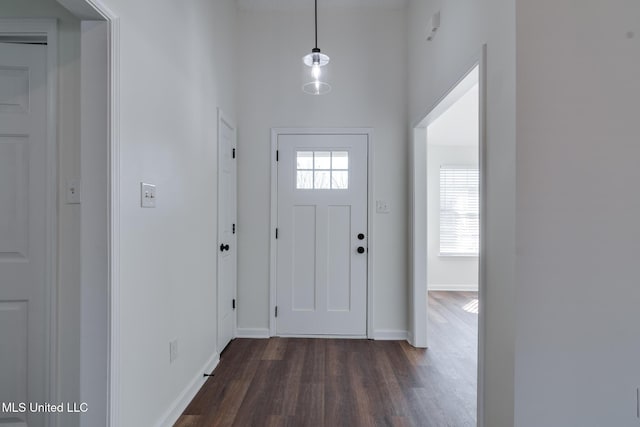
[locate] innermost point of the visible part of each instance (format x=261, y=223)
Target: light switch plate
x=147, y=195
x=72, y=191
x=382, y=207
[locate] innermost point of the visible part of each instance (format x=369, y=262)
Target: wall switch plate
x=382, y=207
x=72, y=191
x=147, y=195
x=173, y=350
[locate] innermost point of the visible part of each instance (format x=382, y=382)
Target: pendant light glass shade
x=315, y=67
x=315, y=73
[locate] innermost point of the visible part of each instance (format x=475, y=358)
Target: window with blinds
x=459, y=211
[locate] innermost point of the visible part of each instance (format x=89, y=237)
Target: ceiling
x=308, y=4
x=459, y=124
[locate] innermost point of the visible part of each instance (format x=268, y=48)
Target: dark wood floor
x=330, y=382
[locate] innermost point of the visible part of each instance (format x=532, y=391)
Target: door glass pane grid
x=322, y=170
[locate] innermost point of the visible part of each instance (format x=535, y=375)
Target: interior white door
x=23, y=194
x=227, y=251
x=322, y=235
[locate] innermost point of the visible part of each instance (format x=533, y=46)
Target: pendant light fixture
x=315, y=67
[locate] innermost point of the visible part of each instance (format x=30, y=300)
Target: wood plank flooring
x=332, y=382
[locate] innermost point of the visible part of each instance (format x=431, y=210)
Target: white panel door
x=227, y=250
x=23, y=181
x=322, y=241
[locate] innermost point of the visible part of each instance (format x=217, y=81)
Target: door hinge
x=277, y=155
x=276, y=311
x=233, y=229
x=276, y=233
x=233, y=304
x=233, y=153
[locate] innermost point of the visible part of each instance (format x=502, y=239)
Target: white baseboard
x=176, y=409
x=457, y=288
x=252, y=333
x=410, y=338
x=390, y=335
x=380, y=334
x=325, y=337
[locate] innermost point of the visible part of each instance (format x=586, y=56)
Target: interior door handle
x=224, y=247
x=360, y=249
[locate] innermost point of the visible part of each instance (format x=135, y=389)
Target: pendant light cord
x=316, y=2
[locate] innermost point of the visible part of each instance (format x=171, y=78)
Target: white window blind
x=459, y=210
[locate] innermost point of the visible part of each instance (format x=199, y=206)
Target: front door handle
x=224, y=247
x=360, y=249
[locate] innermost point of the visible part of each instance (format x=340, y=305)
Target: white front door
x=23, y=230
x=227, y=251
x=322, y=234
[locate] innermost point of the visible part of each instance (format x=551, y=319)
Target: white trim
x=453, y=287
x=84, y=10
x=178, y=406
x=391, y=335
x=370, y=236
x=482, y=261
x=52, y=208
x=273, y=222
x=328, y=336
x=88, y=10
x=274, y=215
x=48, y=27
x=418, y=147
x=252, y=333
x=114, y=222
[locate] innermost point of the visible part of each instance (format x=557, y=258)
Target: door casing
x=95, y=10
x=275, y=132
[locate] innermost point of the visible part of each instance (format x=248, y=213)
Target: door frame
x=273, y=252
x=418, y=165
x=224, y=118
x=95, y=10
x=49, y=29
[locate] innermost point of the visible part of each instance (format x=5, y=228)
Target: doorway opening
x=453, y=231
x=447, y=237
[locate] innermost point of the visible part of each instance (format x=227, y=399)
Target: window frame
x=454, y=225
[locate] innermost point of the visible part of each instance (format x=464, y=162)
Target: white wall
x=574, y=361
x=448, y=272
x=367, y=47
x=578, y=237
x=68, y=167
x=433, y=69
x=176, y=67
